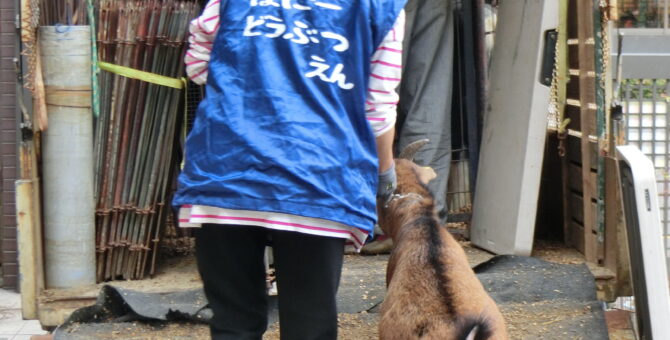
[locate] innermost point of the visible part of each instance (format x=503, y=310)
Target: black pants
x=308, y=268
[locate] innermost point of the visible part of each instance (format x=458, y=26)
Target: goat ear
x=426, y=174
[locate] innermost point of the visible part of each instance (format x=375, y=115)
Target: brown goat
x=432, y=291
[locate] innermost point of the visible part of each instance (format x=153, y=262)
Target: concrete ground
x=12, y=325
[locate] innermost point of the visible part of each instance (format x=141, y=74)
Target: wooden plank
x=592, y=184
x=575, y=182
x=574, y=151
x=576, y=208
x=617, y=258
x=562, y=73
x=584, y=10
x=594, y=207
x=573, y=87
x=28, y=254
x=613, y=213
x=588, y=118
x=572, y=20
x=574, y=114
x=28, y=198
x=577, y=236
x=54, y=313
x=573, y=58
x=29, y=227
x=566, y=201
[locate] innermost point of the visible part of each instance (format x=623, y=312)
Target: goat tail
x=474, y=328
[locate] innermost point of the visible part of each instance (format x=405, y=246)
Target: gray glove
x=387, y=184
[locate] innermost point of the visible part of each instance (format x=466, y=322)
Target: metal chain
x=555, y=113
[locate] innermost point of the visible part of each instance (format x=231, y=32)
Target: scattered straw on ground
x=557, y=252
x=542, y=320
x=139, y=330
x=361, y=326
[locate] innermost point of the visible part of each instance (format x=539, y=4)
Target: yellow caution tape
x=143, y=76
x=177, y=83
x=185, y=122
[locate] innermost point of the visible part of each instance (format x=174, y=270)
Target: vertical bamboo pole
x=135, y=132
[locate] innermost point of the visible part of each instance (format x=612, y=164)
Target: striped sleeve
x=386, y=71
x=202, y=31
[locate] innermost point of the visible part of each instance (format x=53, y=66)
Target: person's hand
x=387, y=184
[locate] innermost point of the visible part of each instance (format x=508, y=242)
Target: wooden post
x=29, y=242
x=563, y=75
x=616, y=243
x=29, y=226
x=588, y=120
x=28, y=210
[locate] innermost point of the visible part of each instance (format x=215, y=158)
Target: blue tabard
x=282, y=127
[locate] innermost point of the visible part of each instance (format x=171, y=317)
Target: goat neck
x=411, y=199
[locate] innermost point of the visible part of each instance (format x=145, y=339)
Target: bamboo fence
x=136, y=134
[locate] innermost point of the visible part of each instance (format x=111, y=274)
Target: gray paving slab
x=12, y=325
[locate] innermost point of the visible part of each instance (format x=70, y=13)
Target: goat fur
x=432, y=293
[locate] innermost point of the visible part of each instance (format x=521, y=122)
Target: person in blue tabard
x=293, y=144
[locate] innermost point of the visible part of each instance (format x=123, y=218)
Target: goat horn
x=411, y=149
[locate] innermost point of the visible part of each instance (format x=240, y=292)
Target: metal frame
x=652, y=299
x=645, y=52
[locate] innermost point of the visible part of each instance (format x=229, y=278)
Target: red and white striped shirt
x=381, y=103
